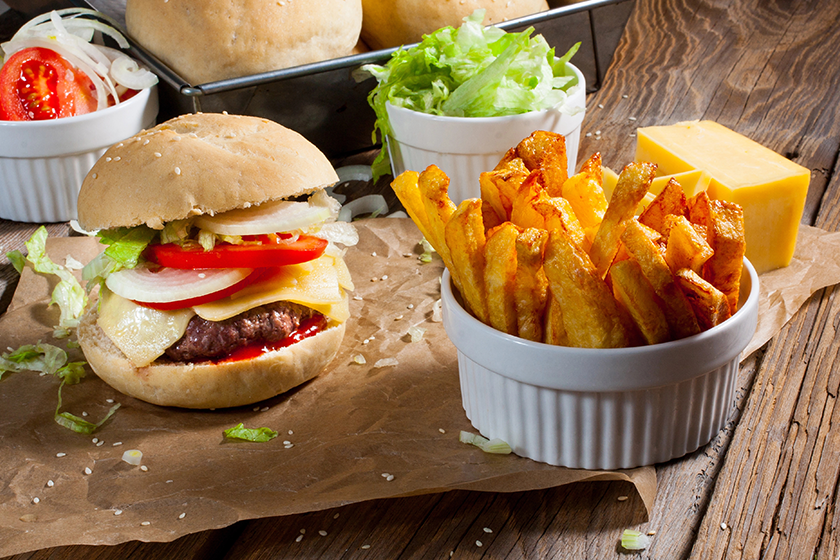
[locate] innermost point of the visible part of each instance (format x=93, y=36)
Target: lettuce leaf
x=471, y=71
x=68, y=294
x=250, y=434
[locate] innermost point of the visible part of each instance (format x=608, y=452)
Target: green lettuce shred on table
x=471, y=71
x=250, y=434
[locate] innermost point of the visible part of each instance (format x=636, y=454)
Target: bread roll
x=390, y=23
x=209, y=40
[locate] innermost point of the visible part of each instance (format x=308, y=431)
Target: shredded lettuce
x=250, y=434
x=68, y=293
x=47, y=359
x=495, y=445
x=471, y=71
x=634, y=540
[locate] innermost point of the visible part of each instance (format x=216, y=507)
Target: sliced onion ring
x=127, y=73
x=170, y=284
x=270, y=217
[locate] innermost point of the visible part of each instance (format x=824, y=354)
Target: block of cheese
x=692, y=183
x=769, y=187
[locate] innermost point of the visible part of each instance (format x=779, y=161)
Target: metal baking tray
x=325, y=102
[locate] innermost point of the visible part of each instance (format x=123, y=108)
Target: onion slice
x=270, y=217
x=166, y=284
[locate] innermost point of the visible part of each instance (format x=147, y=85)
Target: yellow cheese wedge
x=770, y=188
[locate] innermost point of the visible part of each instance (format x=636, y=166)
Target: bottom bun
x=209, y=384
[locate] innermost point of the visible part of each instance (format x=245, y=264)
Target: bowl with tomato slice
x=223, y=281
x=63, y=102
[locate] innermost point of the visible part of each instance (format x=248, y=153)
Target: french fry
x=558, y=214
x=633, y=183
x=405, y=187
x=554, y=331
x=711, y=306
x=590, y=313
x=464, y=235
x=678, y=311
x=685, y=248
x=499, y=188
x=586, y=196
x=546, y=151
x=632, y=289
x=434, y=192
x=594, y=167
x=670, y=201
x=523, y=213
x=500, y=276
x=724, y=223
x=489, y=216
x=531, y=284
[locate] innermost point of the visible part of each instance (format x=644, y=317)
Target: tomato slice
x=199, y=300
x=39, y=84
x=270, y=251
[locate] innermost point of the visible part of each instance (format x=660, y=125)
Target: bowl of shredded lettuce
x=463, y=96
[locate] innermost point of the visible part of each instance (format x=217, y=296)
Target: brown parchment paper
x=346, y=427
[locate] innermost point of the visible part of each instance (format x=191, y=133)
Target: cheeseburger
x=223, y=282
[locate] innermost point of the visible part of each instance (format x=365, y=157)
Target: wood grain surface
x=766, y=487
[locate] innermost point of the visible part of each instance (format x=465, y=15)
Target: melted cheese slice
x=318, y=284
x=143, y=334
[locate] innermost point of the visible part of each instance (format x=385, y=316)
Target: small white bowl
x=600, y=409
x=464, y=147
x=43, y=163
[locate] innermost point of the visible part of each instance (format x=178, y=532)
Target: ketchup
x=308, y=328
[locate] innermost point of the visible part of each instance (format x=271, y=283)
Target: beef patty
x=205, y=340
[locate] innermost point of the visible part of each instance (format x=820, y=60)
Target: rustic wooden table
x=766, y=487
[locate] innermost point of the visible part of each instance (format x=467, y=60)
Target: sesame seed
x=441, y=430
x=177, y=171
x=256, y=409
x=109, y=401
x=299, y=538
x=288, y=445
x=94, y=175
x=597, y=133
x=117, y=512
x=410, y=306
x=336, y=516
x=287, y=442
x=373, y=254
x=398, y=317
x=117, y=444
x=84, y=413
x=625, y=96
x=264, y=409
x=303, y=531
x=651, y=532
x=107, y=159
x=146, y=523
x=357, y=298
x=50, y=483
x=118, y=158
x=622, y=498
x=144, y=468
x=157, y=154
x=95, y=440
x=631, y=118
x=87, y=470
x=120, y=145
x=183, y=515
x=322, y=533
x=60, y=454
x=203, y=275
x=389, y=478
x=723, y=526
x=291, y=432
x=365, y=546
x=100, y=443
x=588, y=134
x=146, y=141
x=170, y=481
x=600, y=105
x=488, y=530
x=36, y=499
x=478, y=543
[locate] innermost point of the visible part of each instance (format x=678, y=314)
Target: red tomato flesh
x=271, y=251
x=199, y=300
x=39, y=84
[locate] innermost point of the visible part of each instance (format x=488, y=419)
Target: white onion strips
x=270, y=217
x=68, y=32
x=166, y=285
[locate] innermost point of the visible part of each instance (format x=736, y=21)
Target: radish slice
x=165, y=284
x=270, y=217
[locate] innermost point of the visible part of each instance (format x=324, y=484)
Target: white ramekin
x=600, y=409
x=43, y=163
x=465, y=147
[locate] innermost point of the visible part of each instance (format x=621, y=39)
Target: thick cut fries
x=546, y=151
x=464, y=234
x=531, y=285
x=685, y=248
x=710, y=304
x=590, y=313
x=500, y=276
x=633, y=183
x=677, y=309
x=632, y=290
x=405, y=187
x=671, y=201
x=434, y=192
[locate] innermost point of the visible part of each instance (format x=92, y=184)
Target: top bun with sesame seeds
x=196, y=164
x=209, y=40
x=391, y=23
